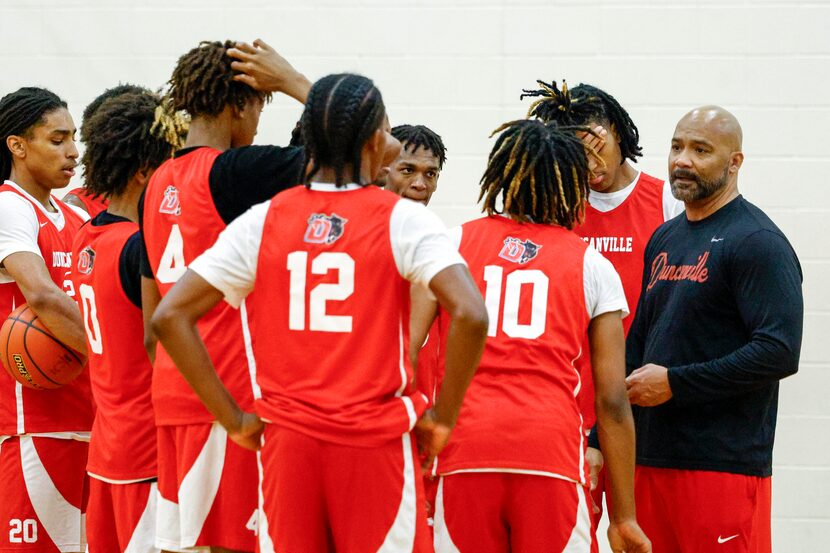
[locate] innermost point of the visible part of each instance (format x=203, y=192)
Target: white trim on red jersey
x=608, y=201
x=420, y=247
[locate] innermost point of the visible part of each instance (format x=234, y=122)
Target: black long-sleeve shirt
x=721, y=307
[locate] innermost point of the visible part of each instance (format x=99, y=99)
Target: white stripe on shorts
x=580, y=540
x=201, y=484
x=144, y=534
x=401, y=536
x=61, y=520
x=442, y=538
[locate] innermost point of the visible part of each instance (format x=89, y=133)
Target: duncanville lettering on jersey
x=62, y=259
x=661, y=270
x=610, y=243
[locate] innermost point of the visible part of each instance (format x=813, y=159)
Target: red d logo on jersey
x=170, y=203
x=86, y=260
x=518, y=251
x=324, y=229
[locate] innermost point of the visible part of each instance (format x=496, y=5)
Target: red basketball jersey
x=520, y=412
x=330, y=316
x=181, y=222
x=621, y=235
x=94, y=204
x=69, y=408
x=123, y=443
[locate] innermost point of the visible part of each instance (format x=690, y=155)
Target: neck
x=625, y=176
x=126, y=204
x=328, y=175
x=213, y=132
x=24, y=179
x=700, y=209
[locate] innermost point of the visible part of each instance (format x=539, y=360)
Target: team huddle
x=289, y=352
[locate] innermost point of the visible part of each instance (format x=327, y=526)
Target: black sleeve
x=593, y=437
x=145, y=269
x=765, y=278
x=129, y=268
x=243, y=177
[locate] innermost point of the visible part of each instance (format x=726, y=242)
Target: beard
x=701, y=189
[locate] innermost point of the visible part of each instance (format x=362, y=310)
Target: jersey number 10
x=508, y=315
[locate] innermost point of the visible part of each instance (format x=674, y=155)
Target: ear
x=16, y=145
x=735, y=161
x=142, y=176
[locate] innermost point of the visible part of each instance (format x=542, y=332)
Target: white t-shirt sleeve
x=672, y=207
x=230, y=264
x=603, y=288
x=455, y=234
x=420, y=244
x=18, y=226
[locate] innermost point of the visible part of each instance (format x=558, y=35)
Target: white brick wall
x=459, y=66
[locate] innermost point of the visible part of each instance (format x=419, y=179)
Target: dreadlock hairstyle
x=126, y=134
x=19, y=112
x=113, y=92
x=341, y=113
x=202, y=83
x=413, y=137
x=582, y=105
x=540, y=173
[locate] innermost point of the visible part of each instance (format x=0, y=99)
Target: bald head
x=716, y=123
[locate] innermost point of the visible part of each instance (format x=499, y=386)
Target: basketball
x=33, y=356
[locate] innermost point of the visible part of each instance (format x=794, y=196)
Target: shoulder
x=254, y=156
x=649, y=182
x=17, y=205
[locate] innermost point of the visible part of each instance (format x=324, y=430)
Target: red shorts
x=320, y=497
x=44, y=493
x=207, y=489
x=121, y=517
x=499, y=512
x=695, y=511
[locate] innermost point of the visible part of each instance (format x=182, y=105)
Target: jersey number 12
x=324, y=292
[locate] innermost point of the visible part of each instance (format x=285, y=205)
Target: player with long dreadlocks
x=207, y=483
x=81, y=196
x=513, y=475
x=624, y=208
x=127, y=138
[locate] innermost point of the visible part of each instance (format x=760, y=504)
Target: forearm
x=60, y=314
x=465, y=344
x=757, y=364
x=615, y=429
x=182, y=342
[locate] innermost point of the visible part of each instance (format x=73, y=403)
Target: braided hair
x=127, y=134
x=582, y=105
x=413, y=137
x=540, y=173
x=341, y=113
x=202, y=83
x=20, y=111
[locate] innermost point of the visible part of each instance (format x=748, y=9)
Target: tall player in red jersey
x=43, y=433
x=625, y=206
x=127, y=138
x=81, y=196
x=331, y=266
x=208, y=484
x=513, y=475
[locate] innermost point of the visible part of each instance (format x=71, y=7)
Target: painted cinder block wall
x=459, y=66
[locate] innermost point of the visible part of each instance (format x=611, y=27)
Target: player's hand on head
x=431, y=436
x=248, y=432
x=596, y=140
x=649, y=386
x=263, y=68
x=628, y=537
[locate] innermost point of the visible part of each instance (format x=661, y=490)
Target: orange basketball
x=33, y=356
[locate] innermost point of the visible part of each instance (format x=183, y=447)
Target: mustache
x=683, y=174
